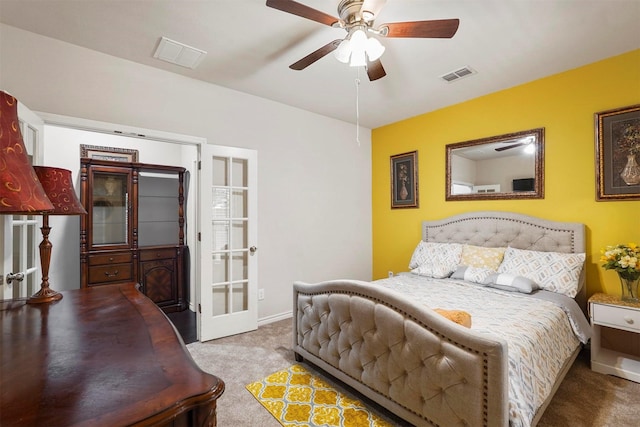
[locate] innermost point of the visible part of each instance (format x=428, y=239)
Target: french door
x=20, y=234
x=228, y=297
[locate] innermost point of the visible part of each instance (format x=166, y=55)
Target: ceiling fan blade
x=315, y=55
x=440, y=28
x=508, y=147
x=303, y=11
x=375, y=70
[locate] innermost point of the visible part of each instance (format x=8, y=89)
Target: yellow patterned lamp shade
x=20, y=190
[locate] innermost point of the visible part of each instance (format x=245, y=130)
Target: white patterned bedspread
x=539, y=335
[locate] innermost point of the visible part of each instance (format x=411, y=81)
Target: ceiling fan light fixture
x=358, y=58
x=374, y=49
x=358, y=40
x=357, y=48
x=343, y=52
x=367, y=16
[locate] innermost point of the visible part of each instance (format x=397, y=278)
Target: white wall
x=504, y=170
x=501, y=171
x=463, y=170
x=314, y=179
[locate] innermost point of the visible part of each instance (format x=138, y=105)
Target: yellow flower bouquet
x=624, y=259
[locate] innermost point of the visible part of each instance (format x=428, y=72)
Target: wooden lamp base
x=45, y=294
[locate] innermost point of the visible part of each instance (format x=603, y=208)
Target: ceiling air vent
x=178, y=53
x=458, y=74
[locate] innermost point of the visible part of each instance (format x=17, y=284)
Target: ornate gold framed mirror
x=507, y=166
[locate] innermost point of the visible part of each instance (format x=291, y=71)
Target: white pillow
x=552, y=271
x=419, y=255
x=511, y=283
x=473, y=274
x=437, y=260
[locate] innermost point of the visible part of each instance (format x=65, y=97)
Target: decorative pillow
x=509, y=282
x=472, y=274
x=478, y=256
x=436, y=260
x=419, y=255
x=552, y=271
x=459, y=316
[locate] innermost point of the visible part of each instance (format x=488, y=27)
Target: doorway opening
x=63, y=138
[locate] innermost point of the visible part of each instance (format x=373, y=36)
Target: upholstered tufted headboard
x=502, y=229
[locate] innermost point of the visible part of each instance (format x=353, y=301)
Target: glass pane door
x=110, y=199
x=228, y=211
x=230, y=243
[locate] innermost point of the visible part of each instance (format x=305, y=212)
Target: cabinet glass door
x=158, y=215
x=110, y=198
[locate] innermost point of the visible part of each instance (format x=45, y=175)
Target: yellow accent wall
x=564, y=104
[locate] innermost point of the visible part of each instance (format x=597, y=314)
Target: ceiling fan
x=357, y=18
x=525, y=141
x=509, y=147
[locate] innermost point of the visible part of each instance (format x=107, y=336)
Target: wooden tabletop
x=102, y=356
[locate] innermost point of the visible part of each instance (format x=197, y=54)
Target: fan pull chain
x=358, y=107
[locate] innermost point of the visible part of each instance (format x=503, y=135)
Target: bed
x=386, y=340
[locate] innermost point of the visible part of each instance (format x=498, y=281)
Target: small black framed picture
x=404, y=180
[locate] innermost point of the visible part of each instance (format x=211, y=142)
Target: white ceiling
x=250, y=46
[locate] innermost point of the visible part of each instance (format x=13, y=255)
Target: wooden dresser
x=101, y=356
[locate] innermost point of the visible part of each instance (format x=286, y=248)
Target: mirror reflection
x=507, y=166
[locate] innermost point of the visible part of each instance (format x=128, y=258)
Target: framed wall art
x=404, y=180
x=114, y=154
x=618, y=154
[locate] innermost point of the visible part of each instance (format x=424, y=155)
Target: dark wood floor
x=185, y=323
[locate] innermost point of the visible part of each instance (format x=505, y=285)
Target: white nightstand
x=610, y=311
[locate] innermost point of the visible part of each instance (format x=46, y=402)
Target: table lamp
x=20, y=192
x=58, y=186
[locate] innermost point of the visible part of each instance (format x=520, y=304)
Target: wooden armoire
x=134, y=230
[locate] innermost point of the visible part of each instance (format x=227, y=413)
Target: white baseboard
x=274, y=318
x=263, y=321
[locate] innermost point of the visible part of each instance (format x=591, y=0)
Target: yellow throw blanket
x=461, y=317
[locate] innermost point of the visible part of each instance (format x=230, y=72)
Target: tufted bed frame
x=340, y=325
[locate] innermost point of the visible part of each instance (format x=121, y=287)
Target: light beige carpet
x=585, y=398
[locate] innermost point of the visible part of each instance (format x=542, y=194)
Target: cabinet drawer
x=114, y=258
x=616, y=317
x=151, y=254
x=110, y=273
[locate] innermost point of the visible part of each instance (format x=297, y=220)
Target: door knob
x=18, y=277
x=253, y=250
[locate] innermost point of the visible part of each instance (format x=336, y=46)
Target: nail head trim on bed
x=540, y=231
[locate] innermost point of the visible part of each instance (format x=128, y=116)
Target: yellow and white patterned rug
x=296, y=397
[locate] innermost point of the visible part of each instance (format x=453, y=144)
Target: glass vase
x=629, y=288
x=631, y=172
